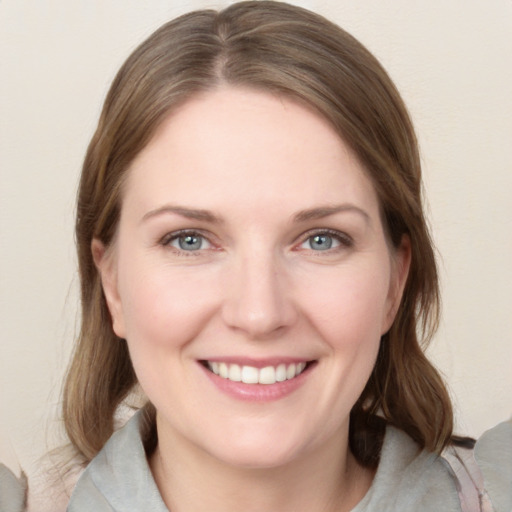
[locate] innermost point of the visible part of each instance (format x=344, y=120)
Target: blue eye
x=189, y=242
x=326, y=240
x=321, y=242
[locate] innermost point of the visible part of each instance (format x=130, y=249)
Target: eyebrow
x=189, y=213
x=301, y=216
x=326, y=211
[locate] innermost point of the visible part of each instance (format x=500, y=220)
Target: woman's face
x=251, y=278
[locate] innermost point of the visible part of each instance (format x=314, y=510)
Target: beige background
x=452, y=60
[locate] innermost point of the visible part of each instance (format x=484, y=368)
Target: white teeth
x=223, y=370
x=267, y=375
x=249, y=375
x=235, y=373
x=252, y=375
x=281, y=373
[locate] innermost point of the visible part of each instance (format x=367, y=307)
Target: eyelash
x=175, y=235
x=344, y=240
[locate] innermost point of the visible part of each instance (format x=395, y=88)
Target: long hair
x=283, y=49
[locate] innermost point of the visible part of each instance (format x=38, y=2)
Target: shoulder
x=118, y=478
x=409, y=478
x=12, y=491
x=493, y=453
x=468, y=479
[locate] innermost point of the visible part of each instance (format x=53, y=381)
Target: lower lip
x=258, y=392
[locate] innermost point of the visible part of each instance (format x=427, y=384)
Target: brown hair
x=269, y=46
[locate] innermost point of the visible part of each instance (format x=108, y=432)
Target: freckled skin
x=259, y=286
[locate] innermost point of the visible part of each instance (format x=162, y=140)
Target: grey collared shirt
x=407, y=479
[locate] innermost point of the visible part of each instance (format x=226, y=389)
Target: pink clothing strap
x=468, y=478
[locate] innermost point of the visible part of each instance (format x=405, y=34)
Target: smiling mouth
x=253, y=375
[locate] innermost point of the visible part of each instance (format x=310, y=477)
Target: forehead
x=235, y=145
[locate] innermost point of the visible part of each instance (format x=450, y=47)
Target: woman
x=253, y=253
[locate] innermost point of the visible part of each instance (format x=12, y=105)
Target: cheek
x=165, y=307
x=347, y=312
x=164, y=310
x=350, y=307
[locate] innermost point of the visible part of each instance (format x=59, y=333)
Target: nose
x=257, y=297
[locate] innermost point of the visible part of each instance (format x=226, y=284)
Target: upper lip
x=257, y=363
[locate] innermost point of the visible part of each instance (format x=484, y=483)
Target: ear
x=107, y=268
x=400, y=264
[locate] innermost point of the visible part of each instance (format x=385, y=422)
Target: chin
x=256, y=457
x=257, y=449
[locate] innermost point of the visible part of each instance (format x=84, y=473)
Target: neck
x=327, y=479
